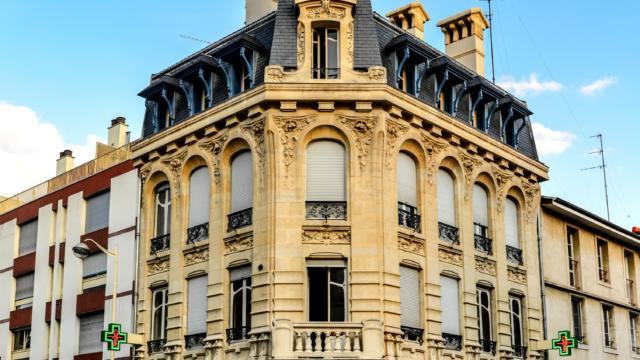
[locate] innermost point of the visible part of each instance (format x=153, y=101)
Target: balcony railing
x=519, y=351
x=326, y=210
x=452, y=342
x=488, y=346
x=240, y=219
x=574, y=274
x=327, y=340
x=155, y=346
x=160, y=243
x=631, y=292
x=197, y=233
x=514, y=255
x=325, y=73
x=412, y=334
x=237, y=334
x=408, y=216
x=603, y=275
x=194, y=340
x=610, y=344
x=636, y=350
x=449, y=233
x=483, y=244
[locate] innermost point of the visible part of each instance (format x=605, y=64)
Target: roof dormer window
x=326, y=53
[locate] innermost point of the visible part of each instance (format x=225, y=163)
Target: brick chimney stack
x=255, y=9
x=411, y=18
x=464, y=38
x=65, y=162
x=118, y=132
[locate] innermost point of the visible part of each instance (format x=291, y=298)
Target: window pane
x=449, y=302
x=332, y=48
x=247, y=306
x=318, y=296
x=238, y=308
x=407, y=180
x=158, y=326
x=241, y=182
x=480, y=205
x=28, y=237
x=511, y=232
x=199, y=197
x=516, y=322
x=325, y=171
x=90, y=328
x=163, y=210
x=446, y=198
x=97, y=212
x=337, y=303
x=24, y=286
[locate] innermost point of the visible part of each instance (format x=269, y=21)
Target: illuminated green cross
x=114, y=337
x=564, y=343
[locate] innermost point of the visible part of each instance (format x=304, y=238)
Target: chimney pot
x=118, y=132
x=65, y=162
x=636, y=230
x=464, y=38
x=411, y=18
x=256, y=9
x=118, y=120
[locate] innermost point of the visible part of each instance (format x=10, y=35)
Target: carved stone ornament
x=214, y=147
x=531, y=193
x=290, y=127
x=157, y=267
x=144, y=172
x=486, y=267
x=502, y=178
x=394, y=132
x=301, y=43
x=516, y=275
x=362, y=127
x=326, y=11
x=256, y=131
x=274, y=73
x=196, y=256
x=433, y=148
x=450, y=257
x=326, y=236
x=410, y=244
x=350, y=42
x=238, y=243
x=174, y=164
x=469, y=165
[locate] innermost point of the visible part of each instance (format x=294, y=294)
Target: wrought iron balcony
x=325, y=73
x=483, y=244
x=519, y=351
x=155, y=346
x=488, y=346
x=194, y=340
x=603, y=275
x=326, y=210
x=636, y=350
x=408, y=216
x=412, y=334
x=237, y=334
x=452, y=342
x=240, y=219
x=197, y=233
x=514, y=255
x=449, y=233
x=574, y=273
x=160, y=243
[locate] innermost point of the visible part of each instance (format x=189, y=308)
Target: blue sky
x=68, y=67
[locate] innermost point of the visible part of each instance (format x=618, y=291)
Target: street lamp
x=81, y=251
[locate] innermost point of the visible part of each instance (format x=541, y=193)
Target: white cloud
x=29, y=148
x=551, y=142
x=526, y=86
x=598, y=85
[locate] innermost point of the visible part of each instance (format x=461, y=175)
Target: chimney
x=463, y=38
x=636, y=230
x=64, y=163
x=118, y=132
x=255, y=9
x=410, y=18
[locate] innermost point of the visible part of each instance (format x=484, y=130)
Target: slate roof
x=366, y=48
x=283, y=48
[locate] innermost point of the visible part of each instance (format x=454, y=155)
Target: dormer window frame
x=320, y=50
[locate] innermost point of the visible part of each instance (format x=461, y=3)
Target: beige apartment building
x=590, y=275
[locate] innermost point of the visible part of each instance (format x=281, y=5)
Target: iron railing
x=156, y=346
x=483, y=244
x=412, y=334
x=574, y=274
x=610, y=344
x=452, y=342
x=160, y=243
x=194, y=340
x=449, y=233
x=197, y=233
x=636, y=350
x=325, y=210
x=325, y=73
x=488, y=346
x=603, y=275
x=240, y=219
x=408, y=216
x=239, y=333
x=519, y=351
x=514, y=255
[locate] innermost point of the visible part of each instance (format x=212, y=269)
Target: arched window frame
x=332, y=206
x=240, y=213
x=199, y=204
x=407, y=190
x=513, y=230
x=447, y=223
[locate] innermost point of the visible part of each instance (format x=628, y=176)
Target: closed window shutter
x=325, y=171
x=90, y=331
x=199, y=197
x=241, y=272
x=410, y=297
x=407, y=180
x=241, y=182
x=197, y=316
x=94, y=264
x=480, y=206
x=511, y=223
x=28, y=237
x=24, y=286
x=450, y=305
x=97, y=212
x=446, y=199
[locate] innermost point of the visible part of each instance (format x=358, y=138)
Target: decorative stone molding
x=256, y=131
x=215, y=147
x=173, y=350
x=213, y=346
x=394, y=132
x=174, y=165
x=326, y=235
x=502, y=178
x=156, y=267
x=450, y=256
x=290, y=127
x=374, y=74
x=469, y=165
x=517, y=275
x=433, y=148
x=259, y=346
x=144, y=172
x=410, y=243
x=486, y=266
x=274, y=73
x=362, y=127
x=326, y=11
x=197, y=255
x=301, y=43
x=531, y=193
x=238, y=243
x=350, y=42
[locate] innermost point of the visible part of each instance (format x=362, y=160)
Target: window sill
x=238, y=232
x=20, y=354
x=94, y=281
x=605, y=284
x=582, y=346
x=410, y=232
x=609, y=350
x=24, y=303
x=238, y=346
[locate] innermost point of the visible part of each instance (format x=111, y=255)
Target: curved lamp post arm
x=101, y=247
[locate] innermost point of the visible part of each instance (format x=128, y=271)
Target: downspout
x=542, y=292
x=136, y=249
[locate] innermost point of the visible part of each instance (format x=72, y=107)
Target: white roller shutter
x=240, y=273
x=410, y=297
x=97, y=212
x=197, y=311
x=511, y=223
x=24, y=286
x=450, y=304
x=94, y=264
x=241, y=182
x=480, y=206
x=28, y=237
x=446, y=199
x=199, y=197
x=407, y=180
x=91, y=327
x=325, y=171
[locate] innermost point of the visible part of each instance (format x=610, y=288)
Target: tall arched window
x=162, y=218
x=407, y=180
x=198, y=205
x=481, y=219
x=447, y=224
x=241, y=190
x=512, y=231
x=326, y=169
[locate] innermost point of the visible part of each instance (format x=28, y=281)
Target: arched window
x=407, y=180
x=512, y=231
x=241, y=190
x=159, y=303
x=326, y=170
x=162, y=218
x=198, y=205
x=481, y=219
x=326, y=53
x=446, y=208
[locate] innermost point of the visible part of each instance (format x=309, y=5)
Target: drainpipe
x=136, y=249
x=542, y=292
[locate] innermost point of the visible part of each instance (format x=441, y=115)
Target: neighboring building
x=322, y=183
x=54, y=305
x=591, y=274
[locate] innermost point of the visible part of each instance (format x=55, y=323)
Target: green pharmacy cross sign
x=564, y=343
x=114, y=337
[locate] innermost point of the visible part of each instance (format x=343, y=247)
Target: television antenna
x=602, y=167
x=489, y=16
x=195, y=39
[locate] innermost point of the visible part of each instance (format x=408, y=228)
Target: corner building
x=324, y=184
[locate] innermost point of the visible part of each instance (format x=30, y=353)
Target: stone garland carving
x=362, y=127
x=196, y=257
x=215, y=147
x=502, y=178
x=516, y=275
x=350, y=42
x=301, y=43
x=157, y=267
x=326, y=236
x=411, y=244
x=237, y=244
x=275, y=73
x=486, y=267
x=433, y=148
x=394, y=132
x=531, y=192
x=469, y=164
x=326, y=11
x=450, y=257
x=290, y=127
x=256, y=131
x=174, y=164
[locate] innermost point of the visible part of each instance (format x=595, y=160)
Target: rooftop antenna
x=195, y=39
x=490, y=17
x=603, y=167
